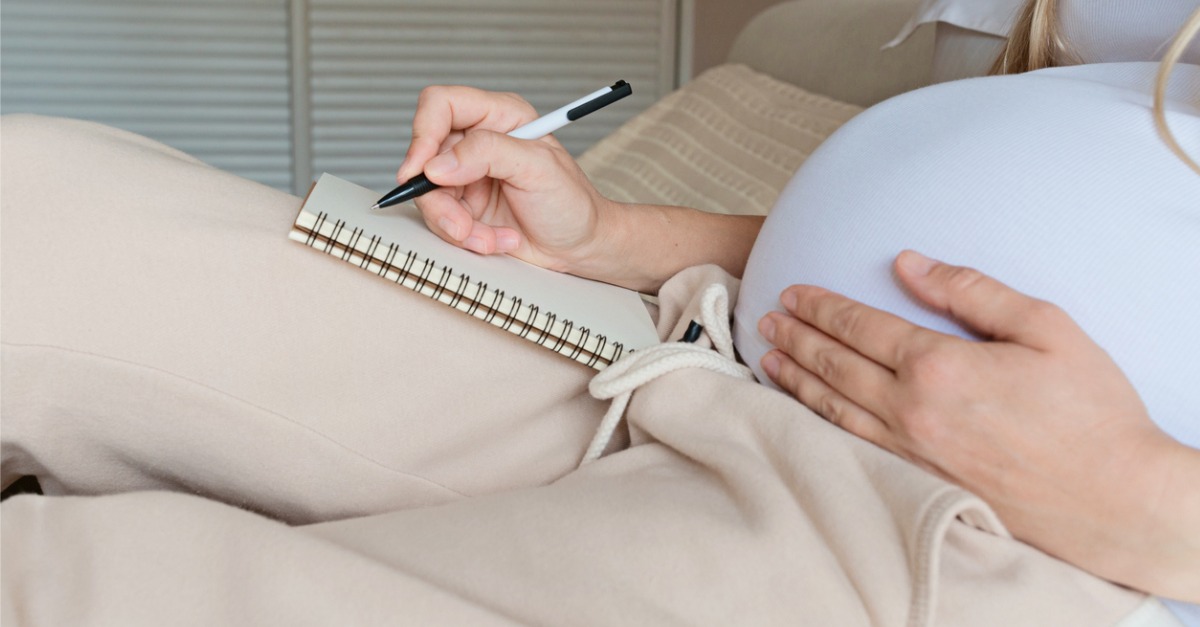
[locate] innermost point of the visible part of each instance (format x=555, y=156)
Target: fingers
x=984, y=304
x=514, y=196
x=523, y=164
x=877, y=335
x=451, y=219
x=824, y=400
x=421, y=150
x=480, y=156
x=832, y=362
x=442, y=110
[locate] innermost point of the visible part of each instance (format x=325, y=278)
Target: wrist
x=641, y=246
x=611, y=251
x=1147, y=538
x=1174, y=522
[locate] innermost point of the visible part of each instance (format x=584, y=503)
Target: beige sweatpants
x=233, y=429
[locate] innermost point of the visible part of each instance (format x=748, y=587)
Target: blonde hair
x=1185, y=36
x=1036, y=43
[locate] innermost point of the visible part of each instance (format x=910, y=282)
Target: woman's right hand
x=526, y=198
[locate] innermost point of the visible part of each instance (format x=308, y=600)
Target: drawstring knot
x=618, y=381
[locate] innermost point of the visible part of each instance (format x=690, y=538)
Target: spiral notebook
x=591, y=322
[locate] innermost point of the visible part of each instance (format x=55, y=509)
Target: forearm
x=641, y=246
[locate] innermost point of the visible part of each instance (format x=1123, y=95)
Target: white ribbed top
x=1106, y=31
x=1054, y=182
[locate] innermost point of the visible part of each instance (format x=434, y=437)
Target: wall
x=717, y=23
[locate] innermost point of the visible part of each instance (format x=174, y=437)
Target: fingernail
x=507, y=241
x=915, y=263
x=450, y=228
x=788, y=298
x=444, y=163
x=766, y=326
x=770, y=364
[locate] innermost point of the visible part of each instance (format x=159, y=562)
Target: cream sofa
x=835, y=48
x=730, y=139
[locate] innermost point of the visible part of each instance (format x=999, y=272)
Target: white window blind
x=209, y=77
x=281, y=90
x=370, y=59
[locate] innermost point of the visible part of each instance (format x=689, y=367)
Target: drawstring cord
x=618, y=381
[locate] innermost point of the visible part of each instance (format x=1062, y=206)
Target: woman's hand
x=499, y=194
x=1038, y=421
x=529, y=199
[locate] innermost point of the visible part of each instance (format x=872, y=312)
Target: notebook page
x=605, y=309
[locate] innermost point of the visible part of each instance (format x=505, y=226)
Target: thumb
x=982, y=303
x=482, y=153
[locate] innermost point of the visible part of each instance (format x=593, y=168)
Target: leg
x=740, y=508
x=161, y=332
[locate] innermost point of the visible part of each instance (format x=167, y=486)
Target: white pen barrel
x=554, y=120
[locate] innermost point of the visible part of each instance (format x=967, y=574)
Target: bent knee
x=28, y=134
x=25, y=132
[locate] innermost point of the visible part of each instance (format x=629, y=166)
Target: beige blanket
x=173, y=365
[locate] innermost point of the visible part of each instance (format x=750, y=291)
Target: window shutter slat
x=277, y=89
x=209, y=77
x=370, y=60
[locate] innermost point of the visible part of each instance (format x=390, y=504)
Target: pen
x=541, y=127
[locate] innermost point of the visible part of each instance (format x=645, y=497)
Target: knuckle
x=846, y=321
x=562, y=157
x=1045, y=313
x=476, y=141
x=827, y=407
x=963, y=279
x=515, y=97
x=430, y=94
x=518, y=101
x=542, y=150
x=922, y=424
x=933, y=367
x=830, y=407
x=826, y=364
x=550, y=161
x=563, y=160
x=428, y=217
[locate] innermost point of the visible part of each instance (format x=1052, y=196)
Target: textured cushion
x=832, y=48
x=727, y=142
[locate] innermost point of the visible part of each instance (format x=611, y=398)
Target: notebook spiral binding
x=475, y=298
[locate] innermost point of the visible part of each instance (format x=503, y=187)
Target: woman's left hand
x=1038, y=421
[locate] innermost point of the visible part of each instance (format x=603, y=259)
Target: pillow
x=1096, y=31
x=991, y=17
x=726, y=142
